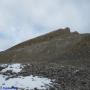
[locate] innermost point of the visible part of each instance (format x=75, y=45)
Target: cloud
x=24, y=19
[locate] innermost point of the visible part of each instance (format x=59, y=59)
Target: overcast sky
x=24, y=19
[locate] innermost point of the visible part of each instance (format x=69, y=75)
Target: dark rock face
x=1, y=68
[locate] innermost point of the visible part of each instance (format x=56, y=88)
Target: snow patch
x=28, y=82
x=13, y=67
x=22, y=82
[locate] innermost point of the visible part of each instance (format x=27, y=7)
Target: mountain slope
x=60, y=46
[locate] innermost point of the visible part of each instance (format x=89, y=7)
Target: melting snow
x=28, y=82
x=13, y=67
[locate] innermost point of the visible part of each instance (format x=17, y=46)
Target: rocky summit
x=60, y=55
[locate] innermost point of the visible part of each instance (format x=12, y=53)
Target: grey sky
x=24, y=19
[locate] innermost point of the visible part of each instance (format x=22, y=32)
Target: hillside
x=60, y=46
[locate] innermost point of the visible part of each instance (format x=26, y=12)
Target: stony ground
x=66, y=77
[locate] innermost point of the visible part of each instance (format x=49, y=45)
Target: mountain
x=60, y=46
x=61, y=56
